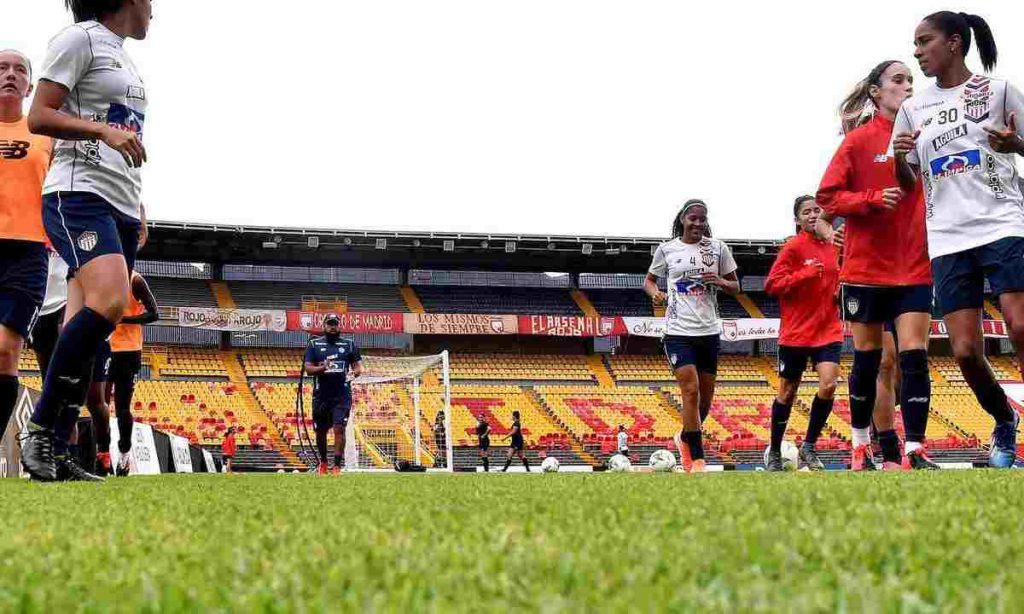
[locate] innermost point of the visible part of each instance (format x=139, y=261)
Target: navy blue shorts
x=23, y=271
x=101, y=364
x=793, y=360
x=879, y=304
x=83, y=226
x=960, y=277
x=701, y=352
x=328, y=412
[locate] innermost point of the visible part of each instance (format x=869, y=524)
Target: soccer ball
x=619, y=463
x=550, y=465
x=662, y=460
x=790, y=456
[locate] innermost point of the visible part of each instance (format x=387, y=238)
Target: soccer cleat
x=1004, y=444
x=103, y=463
x=124, y=465
x=862, y=459
x=321, y=469
x=336, y=470
x=698, y=466
x=37, y=454
x=918, y=459
x=893, y=466
x=685, y=459
x=774, y=461
x=68, y=470
x=809, y=457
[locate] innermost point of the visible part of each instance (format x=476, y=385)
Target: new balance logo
x=74, y=381
x=14, y=150
x=861, y=399
x=918, y=400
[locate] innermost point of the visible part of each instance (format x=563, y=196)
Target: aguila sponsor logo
x=949, y=136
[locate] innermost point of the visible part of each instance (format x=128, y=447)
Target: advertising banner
x=233, y=320
x=144, y=460
x=351, y=322
x=180, y=454
x=460, y=324
x=10, y=450
x=569, y=326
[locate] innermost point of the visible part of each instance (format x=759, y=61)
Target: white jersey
x=692, y=306
x=56, y=285
x=972, y=194
x=104, y=86
x=623, y=441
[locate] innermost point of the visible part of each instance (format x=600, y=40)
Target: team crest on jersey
x=960, y=163
x=707, y=254
x=87, y=241
x=852, y=306
x=977, y=96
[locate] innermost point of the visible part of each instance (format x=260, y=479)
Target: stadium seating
x=730, y=308
x=178, y=292
x=520, y=367
x=260, y=363
x=290, y=295
x=769, y=305
x=461, y=299
x=610, y=302
x=190, y=362
x=593, y=416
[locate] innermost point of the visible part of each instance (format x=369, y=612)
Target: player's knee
x=1015, y=328
x=9, y=360
x=787, y=393
x=966, y=351
x=827, y=389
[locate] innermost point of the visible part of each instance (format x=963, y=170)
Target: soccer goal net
x=400, y=412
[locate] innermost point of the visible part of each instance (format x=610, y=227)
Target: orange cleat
x=698, y=466
x=103, y=463
x=335, y=470
x=685, y=459
x=862, y=459
x=891, y=466
x=321, y=469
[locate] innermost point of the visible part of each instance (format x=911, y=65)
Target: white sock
x=861, y=437
x=912, y=446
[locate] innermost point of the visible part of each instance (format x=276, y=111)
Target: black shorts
x=879, y=304
x=793, y=360
x=960, y=277
x=83, y=226
x=124, y=366
x=101, y=364
x=518, y=444
x=23, y=272
x=701, y=352
x=331, y=412
x=485, y=444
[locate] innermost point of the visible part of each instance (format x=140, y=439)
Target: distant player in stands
x=805, y=278
x=91, y=98
x=960, y=137
x=483, y=436
x=518, y=443
x=698, y=267
x=885, y=271
x=228, y=449
x=125, y=364
x=334, y=362
x=24, y=158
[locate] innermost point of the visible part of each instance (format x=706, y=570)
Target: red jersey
x=883, y=248
x=228, y=449
x=807, y=297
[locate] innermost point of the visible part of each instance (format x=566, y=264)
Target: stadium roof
x=226, y=243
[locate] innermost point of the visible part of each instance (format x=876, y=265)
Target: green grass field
x=948, y=541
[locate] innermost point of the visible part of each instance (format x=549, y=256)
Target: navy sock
x=337, y=460
x=704, y=412
x=68, y=377
x=8, y=399
x=487, y=464
x=526, y=463
x=863, y=378
x=821, y=409
x=780, y=419
x=693, y=439
x=915, y=394
x=890, y=444
x=986, y=389
x=124, y=390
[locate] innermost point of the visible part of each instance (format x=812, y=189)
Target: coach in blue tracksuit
x=330, y=359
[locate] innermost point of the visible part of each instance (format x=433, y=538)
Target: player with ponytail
x=960, y=137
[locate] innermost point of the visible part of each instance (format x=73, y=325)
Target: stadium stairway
x=222, y=294
x=583, y=303
x=412, y=300
x=600, y=370
x=749, y=305
x=574, y=444
x=992, y=310
x=237, y=376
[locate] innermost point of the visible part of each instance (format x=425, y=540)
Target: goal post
x=395, y=405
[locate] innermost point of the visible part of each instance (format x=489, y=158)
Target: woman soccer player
x=483, y=436
x=228, y=449
x=885, y=273
x=960, y=136
x=805, y=278
x=91, y=199
x=697, y=267
x=125, y=364
x=518, y=443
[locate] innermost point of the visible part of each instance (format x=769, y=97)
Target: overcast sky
x=553, y=116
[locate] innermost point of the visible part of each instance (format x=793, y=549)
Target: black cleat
x=918, y=459
x=809, y=457
x=37, y=454
x=774, y=462
x=68, y=470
